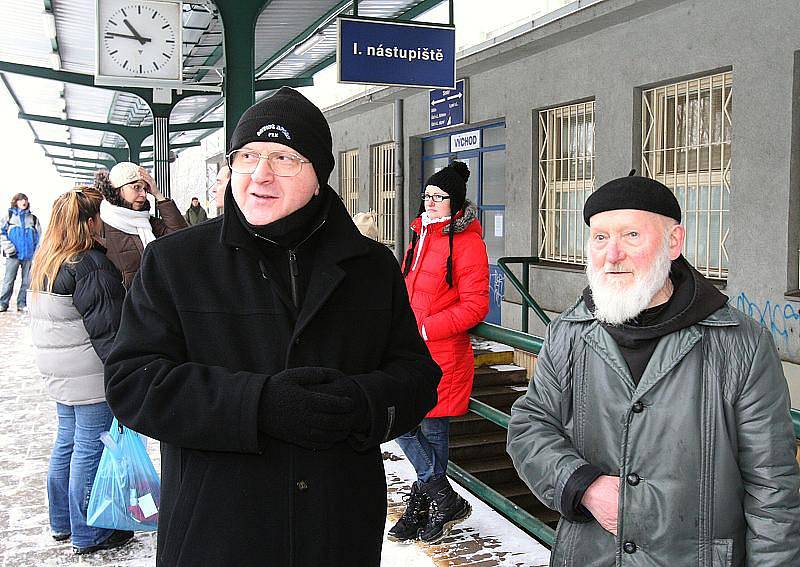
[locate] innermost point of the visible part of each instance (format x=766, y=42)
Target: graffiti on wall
x=782, y=319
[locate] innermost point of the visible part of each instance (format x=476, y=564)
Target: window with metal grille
x=383, y=190
x=348, y=180
x=566, y=178
x=686, y=144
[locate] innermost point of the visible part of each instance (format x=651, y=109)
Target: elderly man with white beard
x=657, y=421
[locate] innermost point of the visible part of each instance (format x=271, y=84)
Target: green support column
x=239, y=23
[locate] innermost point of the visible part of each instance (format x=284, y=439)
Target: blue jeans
x=73, y=464
x=428, y=447
x=12, y=265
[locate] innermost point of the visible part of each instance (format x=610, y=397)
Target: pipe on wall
x=400, y=235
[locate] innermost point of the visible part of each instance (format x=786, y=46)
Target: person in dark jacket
x=657, y=421
x=195, y=214
x=19, y=237
x=76, y=300
x=447, y=277
x=270, y=439
x=127, y=225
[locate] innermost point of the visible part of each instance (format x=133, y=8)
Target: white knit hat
x=123, y=173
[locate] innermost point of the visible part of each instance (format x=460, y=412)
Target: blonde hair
x=67, y=235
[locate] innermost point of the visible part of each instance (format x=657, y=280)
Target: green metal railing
x=528, y=302
x=520, y=517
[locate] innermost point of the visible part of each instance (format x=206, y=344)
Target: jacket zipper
x=294, y=268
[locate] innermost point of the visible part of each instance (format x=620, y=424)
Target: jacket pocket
x=722, y=553
x=181, y=515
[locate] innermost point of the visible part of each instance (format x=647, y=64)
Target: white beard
x=615, y=302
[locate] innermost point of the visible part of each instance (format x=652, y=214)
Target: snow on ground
x=485, y=538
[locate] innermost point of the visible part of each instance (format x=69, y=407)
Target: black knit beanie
x=289, y=118
x=633, y=192
x=453, y=181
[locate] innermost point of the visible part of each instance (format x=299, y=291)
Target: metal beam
x=173, y=146
x=119, y=154
x=87, y=80
x=121, y=129
x=273, y=84
x=75, y=167
x=104, y=162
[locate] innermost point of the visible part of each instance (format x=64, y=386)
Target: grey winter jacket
x=703, y=444
x=74, y=326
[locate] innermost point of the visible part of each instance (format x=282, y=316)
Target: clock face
x=139, y=39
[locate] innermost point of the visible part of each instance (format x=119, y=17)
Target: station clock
x=138, y=43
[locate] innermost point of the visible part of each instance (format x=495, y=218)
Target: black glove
x=346, y=387
x=291, y=411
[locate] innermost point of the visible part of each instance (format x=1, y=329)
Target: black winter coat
x=202, y=333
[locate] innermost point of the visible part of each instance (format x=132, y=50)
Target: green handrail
x=522, y=286
x=510, y=337
x=796, y=422
x=520, y=517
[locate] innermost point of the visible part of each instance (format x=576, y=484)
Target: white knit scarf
x=426, y=221
x=128, y=221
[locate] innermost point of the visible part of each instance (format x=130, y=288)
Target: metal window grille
x=383, y=190
x=566, y=178
x=686, y=144
x=348, y=180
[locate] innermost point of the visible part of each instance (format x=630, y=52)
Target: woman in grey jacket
x=77, y=296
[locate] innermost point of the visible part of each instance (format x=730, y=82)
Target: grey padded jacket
x=703, y=444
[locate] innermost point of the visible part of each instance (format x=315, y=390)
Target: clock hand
x=141, y=39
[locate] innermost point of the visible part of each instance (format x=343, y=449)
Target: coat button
x=633, y=479
x=297, y=341
x=638, y=407
x=302, y=485
x=629, y=547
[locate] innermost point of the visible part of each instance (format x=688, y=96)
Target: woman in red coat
x=447, y=277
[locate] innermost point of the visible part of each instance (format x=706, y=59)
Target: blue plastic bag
x=126, y=493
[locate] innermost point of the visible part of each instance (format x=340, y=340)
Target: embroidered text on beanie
x=289, y=118
x=633, y=192
x=453, y=181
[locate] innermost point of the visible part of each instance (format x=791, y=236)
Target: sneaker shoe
x=118, y=538
x=61, y=537
x=413, y=519
x=22, y=309
x=447, y=510
x=3, y=308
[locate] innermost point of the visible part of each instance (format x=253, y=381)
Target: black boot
x=413, y=519
x=447, y=509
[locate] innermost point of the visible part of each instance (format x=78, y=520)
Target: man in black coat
x=270, y=436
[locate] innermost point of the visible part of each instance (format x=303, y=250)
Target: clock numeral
x=155, y=65
x=139, y=9
x=113, y=52
x=169, y=41
x=112, y=22
x=125, y=65
x=165, y=26
x=124, y=13
x=167, y=55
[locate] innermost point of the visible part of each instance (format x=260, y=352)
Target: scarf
x=128, y=221
x=426, y=221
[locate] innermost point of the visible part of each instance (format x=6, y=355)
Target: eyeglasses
x=282, y=164
x=137, y=186
x=433, y=197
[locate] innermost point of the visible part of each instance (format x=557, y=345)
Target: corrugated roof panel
x=23, y=38
x=76, y=34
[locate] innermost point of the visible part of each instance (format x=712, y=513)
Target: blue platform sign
x=388, y=52
x=447, y=107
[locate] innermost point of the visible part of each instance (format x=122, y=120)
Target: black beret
x=633, y=192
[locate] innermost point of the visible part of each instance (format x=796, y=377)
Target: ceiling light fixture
x=312, y=41
x=49, y=24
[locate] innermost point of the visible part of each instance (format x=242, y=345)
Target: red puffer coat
x=447, y=313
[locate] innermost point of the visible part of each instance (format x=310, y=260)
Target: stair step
x=501, y=374
x=492, y=471
x=489, y=352
x=481, y=445
x=500, y=397
x=470, y=424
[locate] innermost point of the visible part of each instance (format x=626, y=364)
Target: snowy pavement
x=27, y=430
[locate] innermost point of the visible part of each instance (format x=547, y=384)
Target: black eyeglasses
x=433, y=197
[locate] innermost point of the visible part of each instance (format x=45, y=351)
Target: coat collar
x=462, y=220
x=722, y=317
